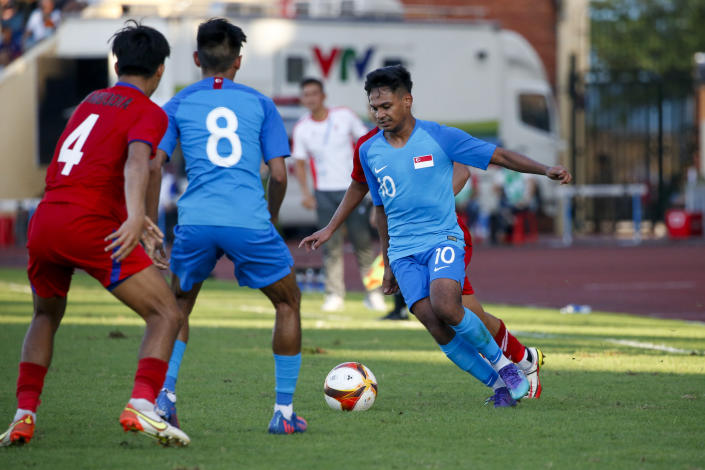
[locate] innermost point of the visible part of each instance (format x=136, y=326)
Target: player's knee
x=446, y=309
x=50, y=309
x=164, y=311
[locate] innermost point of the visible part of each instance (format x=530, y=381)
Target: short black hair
x=219, y=43
x=311, y=81
x=393, y=77
x=139, y=49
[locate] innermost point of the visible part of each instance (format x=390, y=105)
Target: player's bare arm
x=518, y=162
x=307, y=199
x=389, y=282
x=154, y=245
x=353, y=197
x=128, y=235
x=461, y=175
x=276, y=187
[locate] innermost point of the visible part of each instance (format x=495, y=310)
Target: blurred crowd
x=501, y=208
x=24, y=23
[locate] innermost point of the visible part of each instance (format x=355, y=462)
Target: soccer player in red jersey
x=92, y=217
x=528, y=359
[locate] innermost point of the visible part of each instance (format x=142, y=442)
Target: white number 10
x=77, y=138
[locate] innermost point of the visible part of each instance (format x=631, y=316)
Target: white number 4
x=72, y=156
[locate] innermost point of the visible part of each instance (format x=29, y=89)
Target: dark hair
x=392, y=77
x=311, y=81
x=219, y=43
x=139, y=49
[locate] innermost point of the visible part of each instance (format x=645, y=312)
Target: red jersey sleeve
x=358, y=173
x=149, y=127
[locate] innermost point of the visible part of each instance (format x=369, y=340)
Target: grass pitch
x=619, y=391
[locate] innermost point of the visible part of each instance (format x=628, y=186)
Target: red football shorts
x=467, y=287
x=63, y=237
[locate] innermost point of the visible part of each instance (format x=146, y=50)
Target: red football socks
x=149, y=378
x=29, y=385
x=510, y=346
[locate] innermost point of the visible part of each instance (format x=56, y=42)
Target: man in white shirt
x=42, y=22
x=327, y=137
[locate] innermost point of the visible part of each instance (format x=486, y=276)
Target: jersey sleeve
x=358, y=173
x=370, y=178
x=463, y=148
x=149, y=127
x=298, y=150
x=273, y=138
x=168, y=142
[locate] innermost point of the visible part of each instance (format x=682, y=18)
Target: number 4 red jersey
x=89, y=161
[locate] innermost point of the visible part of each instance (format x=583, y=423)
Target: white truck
x=475, y=76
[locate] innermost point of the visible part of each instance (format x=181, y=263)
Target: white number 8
x=227, y=132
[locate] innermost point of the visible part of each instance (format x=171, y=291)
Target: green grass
x=605, y=404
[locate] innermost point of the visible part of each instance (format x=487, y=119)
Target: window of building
x=533, y=109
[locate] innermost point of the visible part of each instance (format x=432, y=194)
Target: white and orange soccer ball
x=350, y=386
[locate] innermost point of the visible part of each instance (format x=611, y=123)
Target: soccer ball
x=350, y=386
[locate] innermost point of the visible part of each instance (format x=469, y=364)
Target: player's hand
x=153, y=242
x=389, y=282
x=128, y=236
x=309, y=201
x=316, y=239
x=560, y=174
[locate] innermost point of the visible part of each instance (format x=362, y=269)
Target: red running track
x=663, y=279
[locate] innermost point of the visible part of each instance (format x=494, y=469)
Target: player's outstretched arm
x=276, y=187
x=518, y=162
x=128, y=235
x=353, y=196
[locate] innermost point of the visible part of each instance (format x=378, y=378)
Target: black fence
x=638, y=128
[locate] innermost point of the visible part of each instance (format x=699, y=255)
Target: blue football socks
x=172, y=373
x=472, y=330
x=468, y=359
x=286, y=373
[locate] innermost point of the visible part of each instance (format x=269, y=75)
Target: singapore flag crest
x=424, y=161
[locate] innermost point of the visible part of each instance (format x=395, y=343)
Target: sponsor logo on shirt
x=424, y=161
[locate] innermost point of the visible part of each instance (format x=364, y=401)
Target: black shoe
x=396, y=315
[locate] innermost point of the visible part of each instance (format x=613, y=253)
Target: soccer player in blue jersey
x=226, y=130
x=408, y=166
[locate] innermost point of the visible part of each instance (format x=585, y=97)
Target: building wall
x=22, y=176
x=536, y=20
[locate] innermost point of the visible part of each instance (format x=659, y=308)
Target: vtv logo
x=345, y=58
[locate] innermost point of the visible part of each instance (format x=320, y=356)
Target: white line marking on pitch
x=669, y=285
x=621, y=342
x=639, y=344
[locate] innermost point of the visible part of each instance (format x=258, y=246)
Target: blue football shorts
x=414, y=273
x=260, y=256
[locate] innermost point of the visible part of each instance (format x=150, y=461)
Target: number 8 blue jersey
x=225, y=130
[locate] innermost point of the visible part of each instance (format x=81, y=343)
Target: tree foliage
x=659, y=36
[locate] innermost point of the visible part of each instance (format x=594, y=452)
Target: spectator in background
x=11, y=30
x=42, y=22
x=326, y=136
x=517, y=203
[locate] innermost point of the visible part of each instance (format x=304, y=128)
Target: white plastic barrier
x=566, y=193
